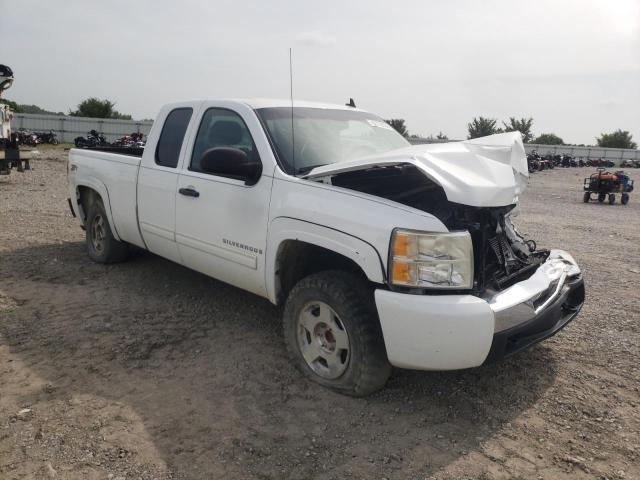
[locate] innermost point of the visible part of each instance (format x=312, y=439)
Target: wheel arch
x=297, y=248
x=87, y=191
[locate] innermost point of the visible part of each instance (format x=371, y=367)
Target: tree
x=481, y=127
x=24, y=108
x=96, y=108
x=548, y=139
x=617, y=139
x=36, y=109
x=442, y=136
x=522, y=125
x=399, y=126
x=12, y=105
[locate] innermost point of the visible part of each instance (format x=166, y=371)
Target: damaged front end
x=518, y=294
x=502, y=256
x=471, y=185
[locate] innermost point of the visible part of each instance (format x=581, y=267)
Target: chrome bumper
x=448, y=332
x=526, y=300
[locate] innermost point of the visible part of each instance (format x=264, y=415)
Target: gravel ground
x=148, y=370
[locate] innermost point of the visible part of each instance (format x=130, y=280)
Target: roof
x=256, y=103
x=274, y=103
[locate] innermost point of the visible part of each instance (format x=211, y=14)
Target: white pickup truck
x=383, y=254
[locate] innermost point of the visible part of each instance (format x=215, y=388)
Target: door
x=221, y=222
x=157, y=181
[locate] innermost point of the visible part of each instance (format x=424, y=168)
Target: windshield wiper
x=309, y=168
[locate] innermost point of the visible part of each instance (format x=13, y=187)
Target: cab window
x=171, y=137
x=221, y=128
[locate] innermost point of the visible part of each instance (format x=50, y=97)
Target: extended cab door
x=157, y=181
x=221, y=222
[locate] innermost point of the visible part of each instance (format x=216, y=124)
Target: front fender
x=282, y=229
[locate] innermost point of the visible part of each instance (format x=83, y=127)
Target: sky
x=572, y=65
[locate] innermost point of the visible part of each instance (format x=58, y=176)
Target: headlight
x=431, y=260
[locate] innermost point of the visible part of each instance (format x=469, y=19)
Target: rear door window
x=171, y=137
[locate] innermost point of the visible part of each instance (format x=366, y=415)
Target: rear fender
x=101, y=189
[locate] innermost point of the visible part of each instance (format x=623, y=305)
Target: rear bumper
x=447, y=332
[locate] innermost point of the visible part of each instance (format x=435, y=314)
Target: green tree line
x=478, y=127
x=91, y=107
x=483, y=126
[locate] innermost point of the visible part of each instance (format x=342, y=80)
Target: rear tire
x=102, y=246
x=624, y=199
x=587, y=197
x=602, y=197
x=612, y=199
x=333, y=334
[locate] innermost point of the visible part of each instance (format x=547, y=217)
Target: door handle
x=189, y=192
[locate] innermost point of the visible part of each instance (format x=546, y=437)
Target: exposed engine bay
x=502, y=256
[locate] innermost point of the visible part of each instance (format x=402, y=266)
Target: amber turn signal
x=401, y=245
x=400, y=273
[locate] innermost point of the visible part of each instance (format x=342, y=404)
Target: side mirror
x=232, y=163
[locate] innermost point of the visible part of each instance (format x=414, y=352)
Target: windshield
x=323, y=136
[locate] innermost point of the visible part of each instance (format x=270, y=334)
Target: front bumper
x=543, y=325
x=448, y=332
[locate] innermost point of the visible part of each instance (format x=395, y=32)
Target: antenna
x=293, y=137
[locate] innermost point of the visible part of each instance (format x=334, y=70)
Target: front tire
x=333, y=334
x=102, y=246
x=587, y=197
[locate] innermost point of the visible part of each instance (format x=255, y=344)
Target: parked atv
x=606, y=184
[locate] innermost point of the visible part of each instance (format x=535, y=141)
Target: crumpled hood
x=483, y=172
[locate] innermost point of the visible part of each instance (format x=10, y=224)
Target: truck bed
x=132, y=151
x=113, y=174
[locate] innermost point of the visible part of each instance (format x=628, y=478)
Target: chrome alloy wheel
x=98, y=233
x=323, y=340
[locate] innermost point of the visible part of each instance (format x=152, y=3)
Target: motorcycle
x=93, y=139
x=48, y=137
x=134, y=140
x=533, y=162
x=27, y=137
x=568, y=161
x=630, y=163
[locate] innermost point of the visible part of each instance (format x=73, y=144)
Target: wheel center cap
x=324, y=336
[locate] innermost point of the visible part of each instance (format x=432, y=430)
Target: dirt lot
x=148, y=370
